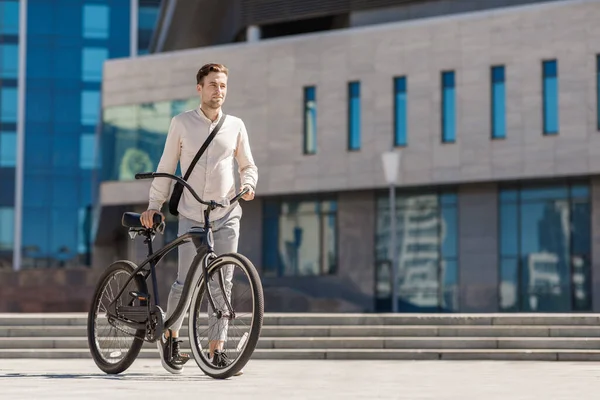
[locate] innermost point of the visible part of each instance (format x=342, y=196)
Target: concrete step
x=353, y=354
x=524, y=343
x=348, y=331
x=75, y=319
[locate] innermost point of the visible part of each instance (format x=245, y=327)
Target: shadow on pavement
x=121, y=377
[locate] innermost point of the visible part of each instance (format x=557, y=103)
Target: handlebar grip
x=156, y=219
x=144, y=175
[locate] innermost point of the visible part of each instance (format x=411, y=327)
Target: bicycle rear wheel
x=115, y=346
x=237, y=337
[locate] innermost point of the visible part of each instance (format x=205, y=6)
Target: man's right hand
x=147, y=217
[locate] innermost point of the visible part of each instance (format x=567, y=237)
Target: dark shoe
x=220, y=360
x=171, y=358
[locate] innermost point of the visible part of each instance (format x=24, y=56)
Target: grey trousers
x=226, y=234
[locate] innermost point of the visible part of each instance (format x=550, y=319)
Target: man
x=213, y=179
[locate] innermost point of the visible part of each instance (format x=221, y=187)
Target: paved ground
x=80, y=379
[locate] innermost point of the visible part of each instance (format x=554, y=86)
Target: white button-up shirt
x=213, y=175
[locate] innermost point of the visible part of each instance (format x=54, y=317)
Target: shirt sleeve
x=247, y=168
x=161, y=187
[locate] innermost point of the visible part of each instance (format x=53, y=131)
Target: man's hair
x=207, y=69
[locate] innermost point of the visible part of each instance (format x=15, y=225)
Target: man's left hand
x=249, y=195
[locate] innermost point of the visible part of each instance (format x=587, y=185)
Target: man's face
x=213, y=89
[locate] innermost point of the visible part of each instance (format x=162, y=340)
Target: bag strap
x=203, y=148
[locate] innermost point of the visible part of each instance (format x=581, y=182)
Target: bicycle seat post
x=148, y=241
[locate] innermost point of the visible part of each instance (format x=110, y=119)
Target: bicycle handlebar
x=212, y=203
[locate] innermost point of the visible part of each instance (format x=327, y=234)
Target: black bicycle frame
x=203, y=241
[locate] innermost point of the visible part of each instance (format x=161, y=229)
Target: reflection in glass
x=509, y=284
x=133, y=136
x=299, y=238
x=427, y=248
x=580, y=253
x=544, y=250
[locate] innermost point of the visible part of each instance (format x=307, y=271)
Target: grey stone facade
x=478, y=248
x=266, y=91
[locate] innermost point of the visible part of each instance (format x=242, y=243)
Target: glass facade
x=448, y=107
x=400, y=113
x=545, y=239
x=299, y=237
x=147, y=18
x=133, y=137
x=67, y=44
x=310, y=120
x=550, y=93
x=354, y=116
x=426, y=249
x=498, y=103
x=9, y=69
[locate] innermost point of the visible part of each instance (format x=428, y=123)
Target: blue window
x=8, y=104
x=400, y=120
x=95, y=21
x=9, y=17
x=86, y=150
x=498, y=103
x=90, y=107
x=448, y=107
x=550, y=97
x=8, y=149
x=354, y=116
x=92, y=61
x=545, y=236
x=310, y=120
x=9, y=60
x=7, y=222
x=598, y=89
x=147, y=16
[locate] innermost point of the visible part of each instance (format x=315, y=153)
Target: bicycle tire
x=257, y=317
x=137, y=343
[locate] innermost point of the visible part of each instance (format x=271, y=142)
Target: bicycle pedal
x=140, y=296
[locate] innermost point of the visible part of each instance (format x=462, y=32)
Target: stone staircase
x=551, y=337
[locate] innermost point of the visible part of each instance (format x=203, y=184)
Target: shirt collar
x=202, y=115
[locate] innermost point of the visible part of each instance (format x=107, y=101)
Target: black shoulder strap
x=203, y=148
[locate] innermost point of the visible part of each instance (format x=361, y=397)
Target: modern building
x=51, y=59
x=493, y=105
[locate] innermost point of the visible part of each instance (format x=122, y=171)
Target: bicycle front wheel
x=234, y=336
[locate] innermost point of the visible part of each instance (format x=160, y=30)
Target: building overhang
x=184, y=24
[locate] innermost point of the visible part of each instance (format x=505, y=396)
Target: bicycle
x=132, y=312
